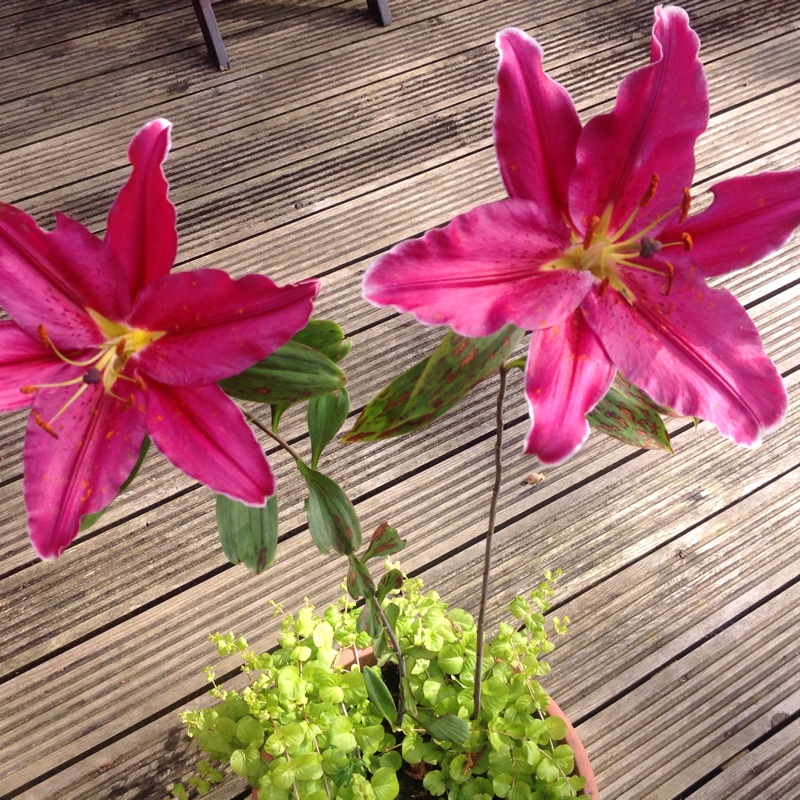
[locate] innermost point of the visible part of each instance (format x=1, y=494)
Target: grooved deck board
x=328, y=141
x=770, y=769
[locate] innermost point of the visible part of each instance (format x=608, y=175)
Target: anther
x=128, y=403
x=650, y=191
x=140, y=383
x=42, y=331
x=28, y=389
x=686, y=204
x=688, y=243
x=649, y=247
x=120, y=348
x=591, y=229
x=92, y=376
x=670, y=276
x=37, y=418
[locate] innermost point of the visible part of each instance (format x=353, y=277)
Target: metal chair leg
x=380, y=10
x=211, y=34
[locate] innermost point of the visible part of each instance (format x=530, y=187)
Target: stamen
x=688, y=243
x=37, y=418
x=28, y=389
x=120, y=348
x=140, y=383
x=48, y=342
x=670, y=276
x=650, y=247
x=591, y=229
x=686, y=204
x=650, y=192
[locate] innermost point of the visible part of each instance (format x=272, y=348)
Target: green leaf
x=384, y=784
x=326, y=413
x=447, y=728
x=250, y=731
x=434, y=782
x=520, y=791
x=282, y=774
x=332, y=520
x=423, y=393
x=248, y=535
x=393, y=579
x=628, y=414
x=502, y=784
x=293, y=372
x=289, y=682
x=369, y=620
x=243, y=761
x=307, y=767
x=325, y=336
x=359, y=581
x=556, y=727
x=412, y=748
x=384, y=542
x=87, y=520
x=564, y=759
x=379, y=694
x=547, y=771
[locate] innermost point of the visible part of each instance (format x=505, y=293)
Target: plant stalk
x=487, y=554
x=401, y=663
x=276, y=437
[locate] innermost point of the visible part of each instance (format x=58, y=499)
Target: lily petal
x=536, y=126
x=660, y=111
x=481, y=271
x=51, y=278
x=24, y=362
x=694, y=350
x=568, y=373
x=750, y=217
x=141, y=229
x=204, y=434
x=99, y=442
x=216, y=326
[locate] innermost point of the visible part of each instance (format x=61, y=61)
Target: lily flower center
x=106, y=367
x=602, y=251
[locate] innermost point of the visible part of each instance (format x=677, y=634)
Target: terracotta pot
x=583, y=767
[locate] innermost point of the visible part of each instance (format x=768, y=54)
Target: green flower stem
x=277, y=437
x=487, y=557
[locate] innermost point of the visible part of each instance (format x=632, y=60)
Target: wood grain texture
x=329, y=141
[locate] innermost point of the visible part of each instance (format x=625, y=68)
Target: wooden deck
x=328, y=141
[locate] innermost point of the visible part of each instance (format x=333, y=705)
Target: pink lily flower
x=594, y=251
x=106, y=345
